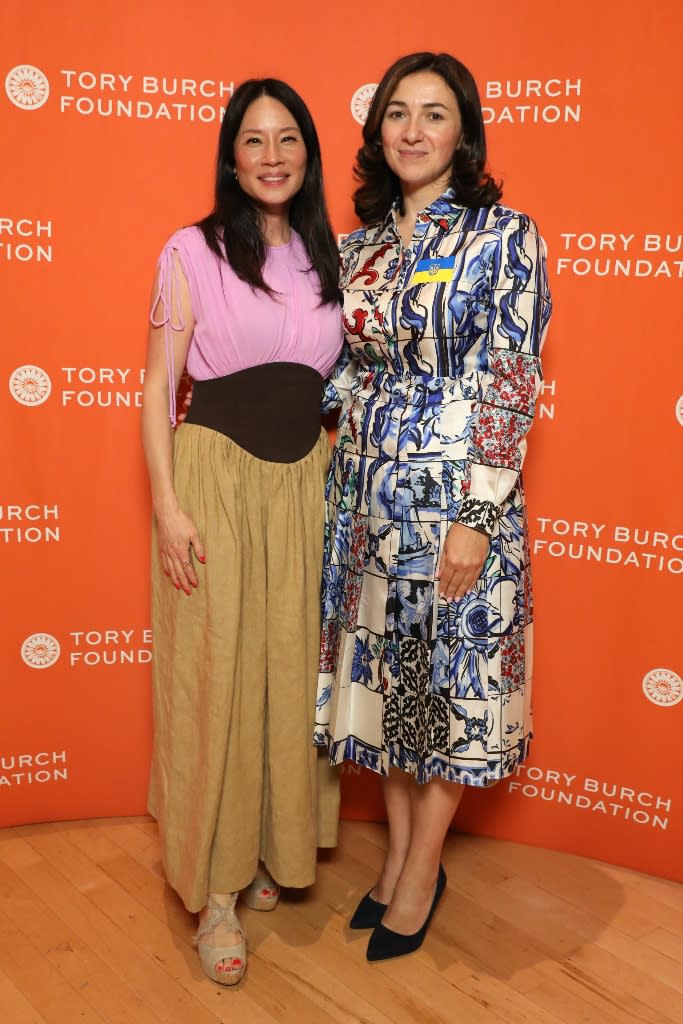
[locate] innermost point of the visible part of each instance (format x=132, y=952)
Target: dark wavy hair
x=472, y=183
x=236, y=217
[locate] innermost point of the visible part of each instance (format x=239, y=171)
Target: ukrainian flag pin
x=434, y=269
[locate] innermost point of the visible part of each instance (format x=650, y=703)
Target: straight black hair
x=472, y=183
x=233, y=228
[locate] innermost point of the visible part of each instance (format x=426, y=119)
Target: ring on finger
x=186, y=564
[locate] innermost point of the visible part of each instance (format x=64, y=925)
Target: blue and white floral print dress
x=437, y=386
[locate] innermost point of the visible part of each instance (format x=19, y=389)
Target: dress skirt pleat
x=234, y=775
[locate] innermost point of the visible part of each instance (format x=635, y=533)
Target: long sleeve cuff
x=479, y=514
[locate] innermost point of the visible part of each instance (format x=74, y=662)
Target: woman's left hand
x=462, y=559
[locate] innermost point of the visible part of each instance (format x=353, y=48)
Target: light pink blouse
x=236, y=326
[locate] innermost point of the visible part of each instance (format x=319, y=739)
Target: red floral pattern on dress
x=496, y=437
x=512, y=662
x=358, y=543
x=506, y=410
x=353, y=583
x=329, y=645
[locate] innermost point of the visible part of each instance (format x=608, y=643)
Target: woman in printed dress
x=427, y=616
x=248, y=299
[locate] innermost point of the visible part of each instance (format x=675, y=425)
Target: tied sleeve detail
x=167, y=312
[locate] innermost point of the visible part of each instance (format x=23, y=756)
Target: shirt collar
x=444, y=211
x=445, y=208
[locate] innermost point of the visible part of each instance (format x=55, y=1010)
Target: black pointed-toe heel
x=368, y=913
x=385, y=944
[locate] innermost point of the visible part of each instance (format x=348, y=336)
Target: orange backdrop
x=110, y=114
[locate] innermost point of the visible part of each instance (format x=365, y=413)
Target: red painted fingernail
x=201, y=558
x=177, y=586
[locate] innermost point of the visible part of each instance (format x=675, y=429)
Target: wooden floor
x=90, y=933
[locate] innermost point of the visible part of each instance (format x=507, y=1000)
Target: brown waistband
x=272, y=411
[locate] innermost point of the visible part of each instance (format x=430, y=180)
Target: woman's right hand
x=184, y=396
x=178, y=540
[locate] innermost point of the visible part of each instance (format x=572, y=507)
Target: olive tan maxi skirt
x=235, y=777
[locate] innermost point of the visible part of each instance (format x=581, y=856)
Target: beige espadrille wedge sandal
x=263, y=893
x=223, y=964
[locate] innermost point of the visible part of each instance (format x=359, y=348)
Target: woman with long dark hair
x=427, y=618
x=248, y=301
